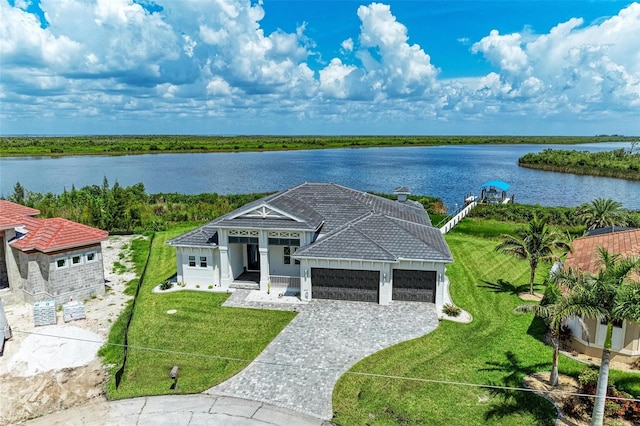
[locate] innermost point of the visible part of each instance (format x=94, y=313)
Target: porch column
x=225, y=270
x=384, y=290
x=441, y=287
x=225, y=275
x=263, y=248
x=305, y=281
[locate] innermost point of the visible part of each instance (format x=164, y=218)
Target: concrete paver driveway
x=301, y=366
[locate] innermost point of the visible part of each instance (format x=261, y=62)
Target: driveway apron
x=300, y=367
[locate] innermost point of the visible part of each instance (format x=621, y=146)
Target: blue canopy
x=496, y=183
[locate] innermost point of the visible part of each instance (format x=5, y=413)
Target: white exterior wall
x=196, y=274
x=277, y=265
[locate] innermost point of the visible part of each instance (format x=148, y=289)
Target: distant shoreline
x=23, y=146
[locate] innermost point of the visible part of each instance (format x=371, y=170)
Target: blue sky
x=319, y=67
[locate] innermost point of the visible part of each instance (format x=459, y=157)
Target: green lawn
x=201, y=327
x=498, y=347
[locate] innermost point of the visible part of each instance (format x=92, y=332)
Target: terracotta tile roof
x=585, y=249
x=14, y=215
x=9, y=208
x=46, y=235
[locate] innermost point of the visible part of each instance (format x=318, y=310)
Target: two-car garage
x=363, y=285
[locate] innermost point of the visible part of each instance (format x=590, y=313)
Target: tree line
x=139, y=144
x=115, y=208
x=619, y=163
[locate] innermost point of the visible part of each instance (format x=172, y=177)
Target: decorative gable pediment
x=265, y=212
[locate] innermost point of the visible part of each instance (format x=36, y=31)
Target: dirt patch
x=557, y=395
x=560, y=396
x=535, y=297
x=41, y=374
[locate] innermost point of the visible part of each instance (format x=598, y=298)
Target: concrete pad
x=235, y=407
x=200, y=419
x=192, y=403
x=175, y=418
x=281, y=416
x=127, y=407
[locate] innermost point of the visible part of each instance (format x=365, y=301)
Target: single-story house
x=321, y=240
x=48, y=259
x=625, y=342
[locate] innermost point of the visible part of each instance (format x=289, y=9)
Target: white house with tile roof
x=48, y=259
x=625, y=338
x=320, y=240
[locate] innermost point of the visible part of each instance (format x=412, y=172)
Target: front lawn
x=208, y=342
x=498, y=347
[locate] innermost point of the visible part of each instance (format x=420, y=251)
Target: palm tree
x=536, y=243
x=556, y=309
x=611, y=298
x=602, y=212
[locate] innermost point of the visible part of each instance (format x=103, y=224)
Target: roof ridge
x=373, y=241
x=351, y=225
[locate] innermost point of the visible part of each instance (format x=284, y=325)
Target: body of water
x=447, y=172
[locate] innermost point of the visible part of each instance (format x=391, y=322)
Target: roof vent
x=402, y=192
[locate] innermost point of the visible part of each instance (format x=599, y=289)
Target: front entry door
x=253, y=257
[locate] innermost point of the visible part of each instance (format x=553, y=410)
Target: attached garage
x=345, y=284
x=414, y=286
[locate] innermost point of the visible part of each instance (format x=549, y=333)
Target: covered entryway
x=414, y=286
x=344, y=284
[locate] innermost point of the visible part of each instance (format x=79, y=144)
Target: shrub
x=166, y=285
x=451, y=310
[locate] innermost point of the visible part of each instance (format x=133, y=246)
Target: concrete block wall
x=78, y=281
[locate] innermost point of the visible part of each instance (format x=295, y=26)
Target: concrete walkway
x=301, y=366
x=187, y=410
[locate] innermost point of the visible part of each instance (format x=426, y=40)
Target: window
x=243, y=240
x=91, y=256
x=61, y=263
x=616, y=323
x=76, y=260
x=192, y=261
x=287, y=255
x=203, y=261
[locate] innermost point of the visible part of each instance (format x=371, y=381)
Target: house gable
x=265, y=211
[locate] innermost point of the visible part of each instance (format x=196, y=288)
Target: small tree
x=556, y=309
x=603, y=212
x=537, y=243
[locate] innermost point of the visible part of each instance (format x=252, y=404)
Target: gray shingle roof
x=354, y=224
x=378, y=233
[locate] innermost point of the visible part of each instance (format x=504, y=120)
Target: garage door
x=414, y=286
x=344, y=284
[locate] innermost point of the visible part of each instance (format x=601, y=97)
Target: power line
x=357, y=373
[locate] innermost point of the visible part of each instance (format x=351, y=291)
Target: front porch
x=277, y=284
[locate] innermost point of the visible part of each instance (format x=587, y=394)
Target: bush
x=614, y=408
x=166, y=285
x=451, y=310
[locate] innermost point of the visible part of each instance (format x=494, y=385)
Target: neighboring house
x=48, y=259
x=321, y=240
x=626, y=336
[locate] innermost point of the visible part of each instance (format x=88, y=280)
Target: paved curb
x=188, y=410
